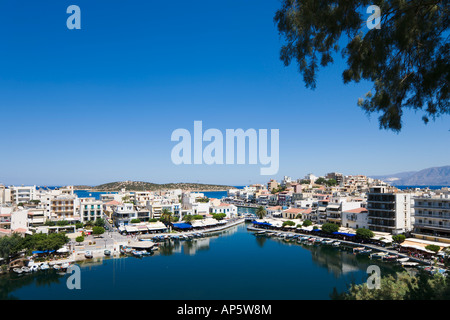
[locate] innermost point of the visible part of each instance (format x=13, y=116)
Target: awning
x=131, y=229
x=322, y=208
x=262, y=223
x=333, y=206
x=344, y=234
x=182, y=225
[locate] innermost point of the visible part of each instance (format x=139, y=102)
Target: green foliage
x=98, y=230
x=261, y=212
x=188, y=218
x=399, y=238
x=135, y=221
x=433, y=247
x=307, y=223
x=197, y=217
x=78, y=225
x=330, y=227
x=62, y=223
x=166, y=216
x=305, y=181
x=288, y=223
x=203, y=200
x=406, y=59
x=402, y=286
x=152, y=220
x=323, y=181
x=364, y=233
x=79, y=239
x=49, y=223
x=99, y=222
x=219, y=216
x=10, y=245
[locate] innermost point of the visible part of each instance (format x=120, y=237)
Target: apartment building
x=63, y=207
x=389, y=211
x=5, y=194
x=123, y=214
x=229, y=209
x=90, y=209
x=355, y=218
x=23, y=194
x=432, y=217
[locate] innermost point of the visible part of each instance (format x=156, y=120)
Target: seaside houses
x=5, y=195
x=229, y=209
x=355, y=218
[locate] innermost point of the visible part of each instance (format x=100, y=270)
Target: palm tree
x=261, y=212
x=188, y=218
x=166, y=216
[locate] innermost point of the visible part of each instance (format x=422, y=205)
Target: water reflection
x=11, y=282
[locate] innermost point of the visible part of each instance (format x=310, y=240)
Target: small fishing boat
x=136, y=253
x=64, y=266
x=401, y=260
x=26, y=269
x=44, y=266
x=34, y=268
x=18, y=270
x=336, y=244
x=88, y=254
x=107, y=253
x=56, y=267
x=304, y=238
x=378, y=255
x=390, y=257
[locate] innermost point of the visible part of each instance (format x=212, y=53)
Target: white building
x=229, y=209
x=432, y=217
x=123, y=214
x=90, y=209
x=389, y=211
x=23, y=194
x=355, y=218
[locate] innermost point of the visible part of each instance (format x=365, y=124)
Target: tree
x=399, y=238
x=99, y=222
x=135, y=221
x=79, y=239
x=219, y=216
x=166, y=216
x=365, y=234
x=433, y=247
x=406, y=60
x=288, y=223
x=188, y=218
x=307, y=223
x=320, y=181
x=261, y=212
x=96, y=231
x=330, y=227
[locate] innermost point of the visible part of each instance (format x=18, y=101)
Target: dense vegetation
x=148, y=186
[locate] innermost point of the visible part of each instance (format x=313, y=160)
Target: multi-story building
x=123, y=214
x=432, y=217
x=229, y=209
x=90, y=209
x=355, y=218
x=23, y=194
x=5, y=194
x=389, y=211
x=63, y=208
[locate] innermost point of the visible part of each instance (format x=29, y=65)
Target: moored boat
x=18, y=270
x=336, y=244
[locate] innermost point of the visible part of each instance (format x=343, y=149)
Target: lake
x=233, y=264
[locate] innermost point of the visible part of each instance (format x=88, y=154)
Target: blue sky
x=99, y=104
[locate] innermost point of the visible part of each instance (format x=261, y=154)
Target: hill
x=148, y=186
x=435, y=176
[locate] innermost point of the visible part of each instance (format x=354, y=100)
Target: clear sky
x=99, y=104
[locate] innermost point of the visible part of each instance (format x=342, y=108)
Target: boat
x=378, y=255
x=410, y=264
x=65, y=265
x=328, y=241
x=34, y=268
x=56, y=267
x=390, y=257
x=260, y=233
x=358, y=249
x=336, y=244
x=136, y=253
x=18, y=270
x=304, y=238
x=401, y=260
x=26, y=269
x=107, y=253
x=44, y=266
x=312, y=239
x=88, y=254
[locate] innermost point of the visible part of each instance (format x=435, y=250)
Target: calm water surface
x=234, y=264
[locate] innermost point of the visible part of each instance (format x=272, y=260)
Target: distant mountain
x=148, y=186
x=436, y=176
